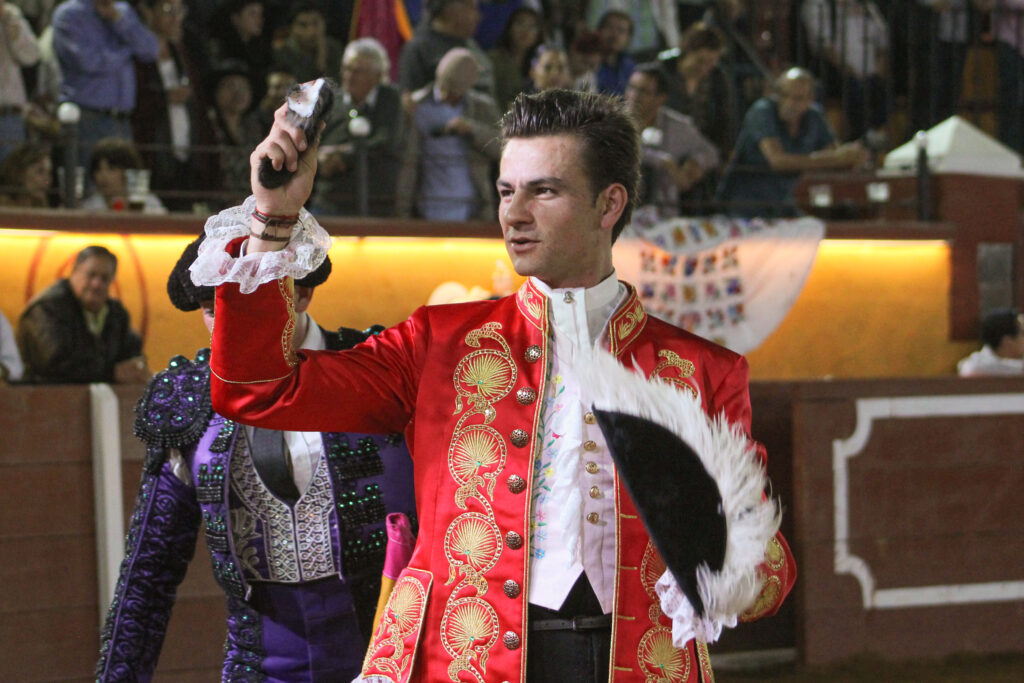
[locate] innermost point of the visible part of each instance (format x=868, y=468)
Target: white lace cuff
x=213, y=266
x=686, y=623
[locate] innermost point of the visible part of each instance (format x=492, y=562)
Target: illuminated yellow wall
x=869, y=309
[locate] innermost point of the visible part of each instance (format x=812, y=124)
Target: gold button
x=513, y=540
x=512, y=588
x=516, y=484
x=526, y=396
x=593, y=517
x=595, y=492
x=590, y=445
x=519, y=437
x=533, y=353
x=592, y=467
x=511, y=640
x=589, y=418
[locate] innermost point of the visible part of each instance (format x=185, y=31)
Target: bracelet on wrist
x=272, y=220
x=269, y=236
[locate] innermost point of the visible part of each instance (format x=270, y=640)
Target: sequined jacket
x=464, y=381
x=341, y=530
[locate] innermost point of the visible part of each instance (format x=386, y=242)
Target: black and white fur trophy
x=308, y=107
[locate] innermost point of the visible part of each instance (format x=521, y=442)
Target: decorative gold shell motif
x=472, y=544
x=469, y=628
x=651, y=569
x=660, y=660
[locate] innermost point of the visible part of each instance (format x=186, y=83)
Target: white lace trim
x=686, y=623
x=213, y=266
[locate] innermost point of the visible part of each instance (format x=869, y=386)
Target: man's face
x=642, y=96
x=615, y=34
x=463, y=17
x=207, y=308
x=795, y=99
x=550, y=71
x=553, y=226
x=359, y=76
x=278, y=83
x=307, y=29
x=90, y=282
x=248, y=21
x=109, y=180
x=168, y=19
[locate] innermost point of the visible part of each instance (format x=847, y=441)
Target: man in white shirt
x=526, y=530
x=1002, y=333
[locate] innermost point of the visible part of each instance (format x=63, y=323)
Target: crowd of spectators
x=192, y=85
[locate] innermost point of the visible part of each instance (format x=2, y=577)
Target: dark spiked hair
x=609, y=137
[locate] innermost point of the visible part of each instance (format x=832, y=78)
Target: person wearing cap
x=532, y=561
x=1002, y=351
x=451, y=142
x=294, y=521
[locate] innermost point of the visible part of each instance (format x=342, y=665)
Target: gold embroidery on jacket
x=767, y=599
x=704, y=660
x=476, y=456
x=774, y=555
x=402, y=617
x=288, y=334
x=672, y=361
x=531, y=303
x=660, y=661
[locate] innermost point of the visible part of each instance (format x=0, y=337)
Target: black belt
x=115, y=113
x=597, y=623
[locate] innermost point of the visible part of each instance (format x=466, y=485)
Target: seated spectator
x=1002, y=351
x=25, y=176
x=241, y=35
x=511, y=54
x=308, y=52
x=95, y=42
x=236, y=133
x=279, y=80
x=450, y=24
x=615, y=29
x=655, y=24
x=169, y=118
x=113, y=161
x=364, y=94
x=74, y=333
x=18, y=50
x=549, y=68
x=676, y=157
x=699, y=88
x=781, y=137
x=11, y=368
x=585, y=55
x=451, y=143
x=851, y=39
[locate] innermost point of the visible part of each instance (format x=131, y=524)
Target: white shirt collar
x=314, y=339
x=583, y=312
x=371, y=99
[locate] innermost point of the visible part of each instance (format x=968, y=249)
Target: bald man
x=452, y=142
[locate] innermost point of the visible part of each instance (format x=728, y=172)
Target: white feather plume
x=731, y=459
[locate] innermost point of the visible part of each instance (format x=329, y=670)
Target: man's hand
x=132, y=371
x=286, y=147
x=852, y=154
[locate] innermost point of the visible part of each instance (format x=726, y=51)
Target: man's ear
x=612, y=202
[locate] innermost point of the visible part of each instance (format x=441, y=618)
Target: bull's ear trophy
x=308, y=107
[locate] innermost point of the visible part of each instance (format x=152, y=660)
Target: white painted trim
x=869, y=410
x=107, y=490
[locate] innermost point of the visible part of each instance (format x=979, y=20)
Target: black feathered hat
x=187, y=296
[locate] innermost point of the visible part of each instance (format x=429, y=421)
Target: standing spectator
x=452, y=140
x=11, y=367
x=1008, y=23
x=699, y=88
x=851, y=38
x=241, y=35
x=585, y=56
x=450, y=24
x=655, y=24
x=549, y=68
x=74, y=332
x=18, y=49
x=938, y=32
x=676, y=157
x=615, y=29
x=112, y=160
x=95, y=41
x=781, y=137
x=308, y=52
x=364, y=93
x=236, y=133
x=25, y=176
x=511, y=54
x=1002, y=351
x=279, y=80
x=168, y=120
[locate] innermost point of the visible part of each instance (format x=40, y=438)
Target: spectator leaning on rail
x=1002, y=351
x=781, y=137
x=75, y=333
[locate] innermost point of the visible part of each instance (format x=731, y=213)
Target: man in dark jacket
x=75, y=333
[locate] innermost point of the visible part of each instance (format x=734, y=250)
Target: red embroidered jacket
x=463, y=381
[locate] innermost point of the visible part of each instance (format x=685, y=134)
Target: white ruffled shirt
x=579, y=320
